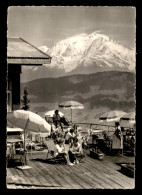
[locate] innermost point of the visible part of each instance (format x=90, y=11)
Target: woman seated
x=54, y=131
x=74, y=150
x=59, y=136
x=61, y=151
x=75, y=128
x=84, y=143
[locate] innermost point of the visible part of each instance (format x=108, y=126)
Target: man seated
x=69, y=135
x=61, y=151
x=64, y=121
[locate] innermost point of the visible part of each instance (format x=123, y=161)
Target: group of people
x=71, y=137
x=73, y=154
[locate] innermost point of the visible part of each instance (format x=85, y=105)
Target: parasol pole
x=25, y=157
x=71, y=114
x=25, y=141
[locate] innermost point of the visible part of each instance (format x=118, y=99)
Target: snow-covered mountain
x=44, y=49
x=84, y=54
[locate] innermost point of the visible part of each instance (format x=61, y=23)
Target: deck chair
x=51, y=150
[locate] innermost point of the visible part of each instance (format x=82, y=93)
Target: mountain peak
x=73, y=38
x=87, y=53
x=98, y=35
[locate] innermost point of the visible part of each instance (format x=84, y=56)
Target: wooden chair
x=51, y=150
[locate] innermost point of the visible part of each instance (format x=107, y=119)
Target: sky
x=46, y=25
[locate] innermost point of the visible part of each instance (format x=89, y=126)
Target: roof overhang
x=28, y=61
x=22, y=52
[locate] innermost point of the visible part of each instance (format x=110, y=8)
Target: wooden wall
x=14, y=71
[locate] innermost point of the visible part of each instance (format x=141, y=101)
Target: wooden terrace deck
x=90, y=174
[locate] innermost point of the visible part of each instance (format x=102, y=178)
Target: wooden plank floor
x=90, y=174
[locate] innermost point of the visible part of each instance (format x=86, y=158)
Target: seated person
x=94, y=138
x=75, y=128
x=90, y=132
x=74, y=150
x=61, y=151
x=132, y=141
x=64, y=121
x=71, y=143
x=59, y=136
x=79, y=137
x=84, y=143
x=54, y=131
x=69, y=135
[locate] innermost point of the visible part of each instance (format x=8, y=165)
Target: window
x=9, y=101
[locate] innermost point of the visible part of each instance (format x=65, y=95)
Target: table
x=11, y=150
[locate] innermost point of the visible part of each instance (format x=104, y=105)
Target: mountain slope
x=83, y=54
x=99, y=92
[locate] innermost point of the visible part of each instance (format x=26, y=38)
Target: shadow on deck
x=90, y=174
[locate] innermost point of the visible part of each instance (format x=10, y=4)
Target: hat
x=71, y=130
x=75, y=139
x=59, y=140
x=117, y=123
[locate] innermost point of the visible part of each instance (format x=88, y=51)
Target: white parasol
x=71, y=105
x=29, y=122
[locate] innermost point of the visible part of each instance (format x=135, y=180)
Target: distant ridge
x=99, y=92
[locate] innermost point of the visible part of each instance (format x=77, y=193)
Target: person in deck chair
x=75, y=150
x=61, y=151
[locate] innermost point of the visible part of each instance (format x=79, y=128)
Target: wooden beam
x=28, y=61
